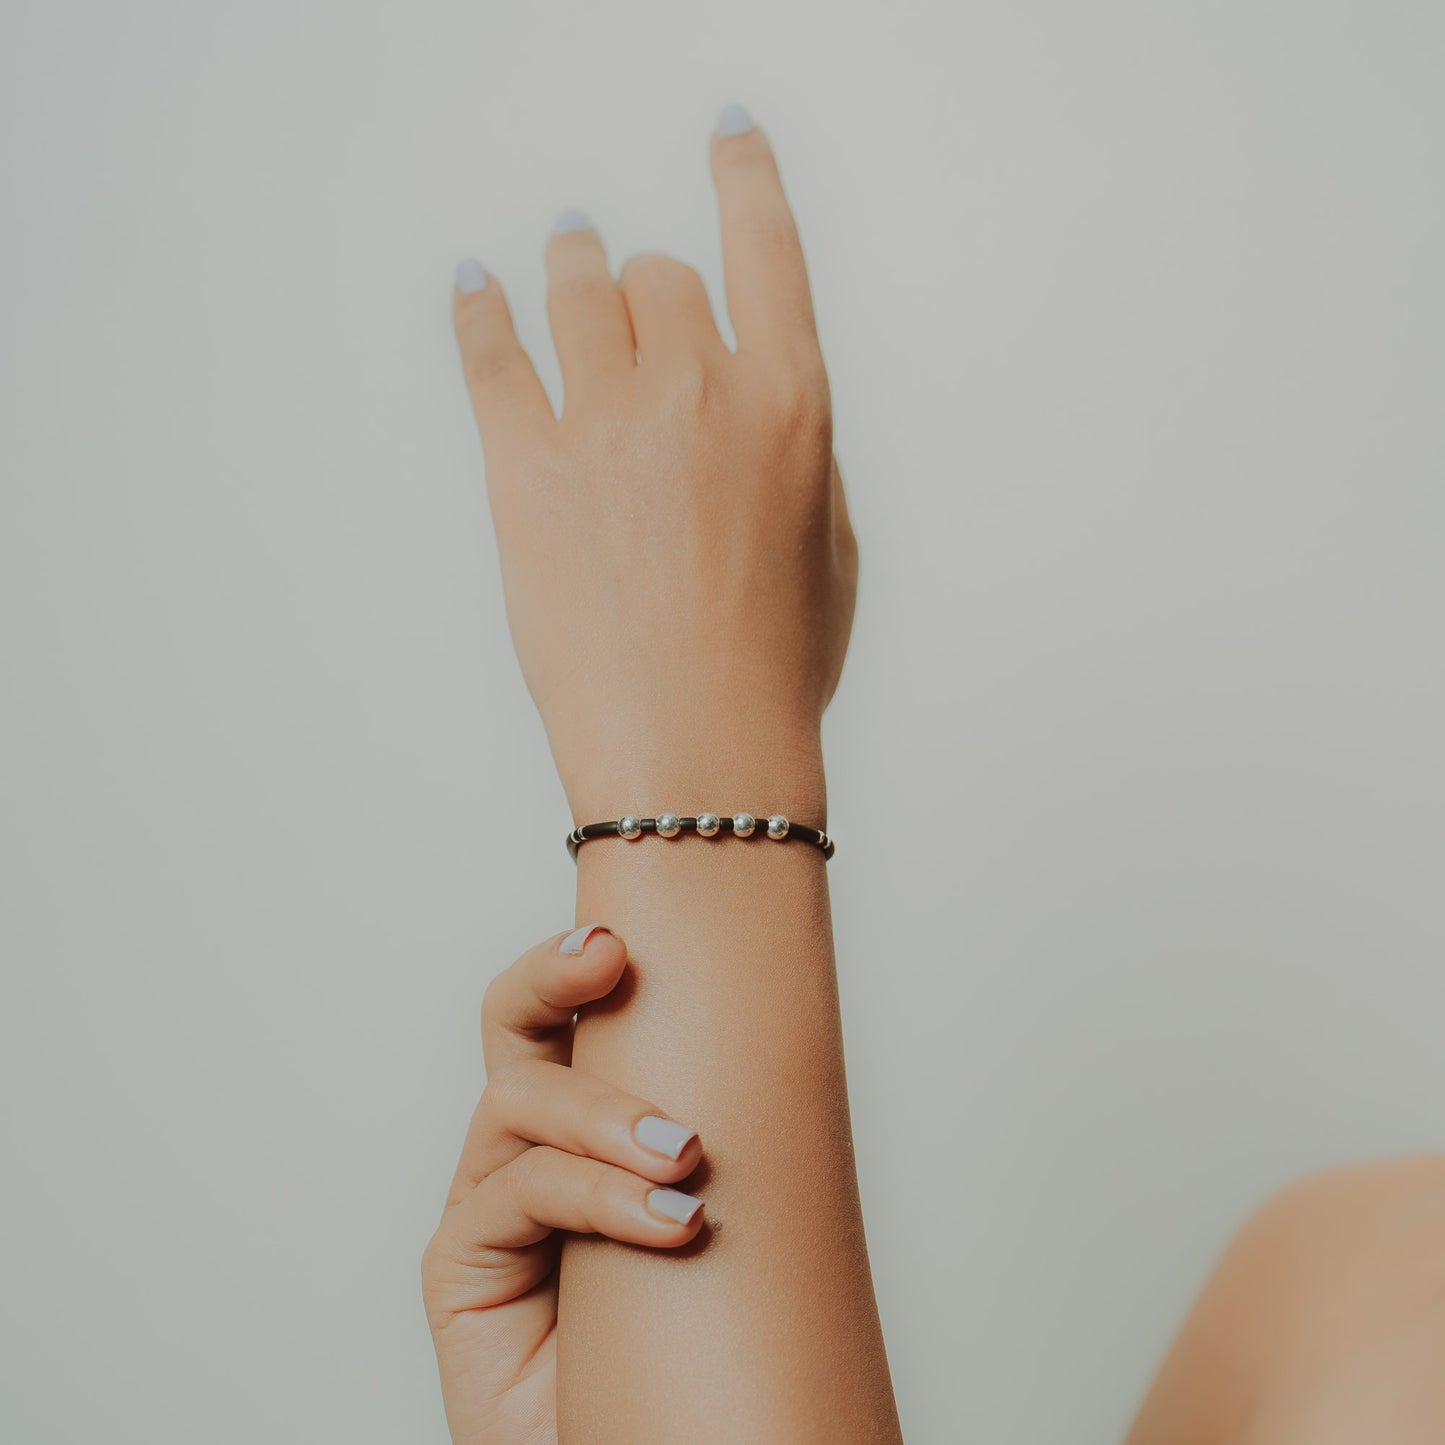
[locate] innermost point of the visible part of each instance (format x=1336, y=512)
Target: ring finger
x=474, y=1253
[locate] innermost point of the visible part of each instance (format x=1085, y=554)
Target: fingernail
x=673, y=1204
x=571, y=220
x=733, y=120
x=470, y=275
x=576, y=942
x=665, y=1136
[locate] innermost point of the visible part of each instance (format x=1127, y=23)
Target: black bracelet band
x=705, y=825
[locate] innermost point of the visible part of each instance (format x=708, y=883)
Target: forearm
x=681, y=573
x=765, y=1327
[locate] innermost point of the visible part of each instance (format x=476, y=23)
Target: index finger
x=527, y=1010
x=768, y=297
x=508, y=399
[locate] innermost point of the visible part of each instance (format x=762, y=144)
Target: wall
x=1134, y=316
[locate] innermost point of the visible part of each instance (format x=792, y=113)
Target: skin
x=680, y=576
x=548, y=1148
x=1323, y=1324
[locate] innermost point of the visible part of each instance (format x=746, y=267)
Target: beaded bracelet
x=705, y=825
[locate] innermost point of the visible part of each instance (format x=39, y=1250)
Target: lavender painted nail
x=571, y=220
x=733, y=120
x=576, y=941
x=663, y=1136
x=470, y=275
x=673, y=1204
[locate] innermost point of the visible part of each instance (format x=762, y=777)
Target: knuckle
x=438, y=1279
x=580, y=289
x=508, y=1088
x=805, y=366
x=802, y=412
x=645, y=267
x=599, y=1099
x=772, y=231
x=492, y=1001
x=524, y=1176
x=690, y=388
x=488, y=362
x=603, y=433
x=598, y=1191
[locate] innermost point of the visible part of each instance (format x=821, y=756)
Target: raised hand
x=678, y=564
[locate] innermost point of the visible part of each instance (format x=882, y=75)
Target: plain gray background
x=1134, y=318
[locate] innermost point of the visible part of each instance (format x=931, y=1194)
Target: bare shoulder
x=1328, y=1306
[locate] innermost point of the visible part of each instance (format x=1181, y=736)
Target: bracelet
x=705, y=825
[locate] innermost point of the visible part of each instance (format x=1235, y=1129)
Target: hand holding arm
x=549, y=1148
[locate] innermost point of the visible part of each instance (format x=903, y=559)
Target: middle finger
x=590, y=325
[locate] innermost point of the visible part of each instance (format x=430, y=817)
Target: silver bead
x=743, y=824
x=708, y=824
x=668, y=826
x=777, y=826
x=630, y=827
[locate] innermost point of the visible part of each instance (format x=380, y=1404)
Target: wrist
x=720, y=774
